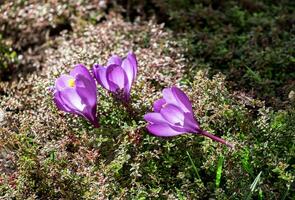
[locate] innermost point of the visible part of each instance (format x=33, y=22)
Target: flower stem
x=95, y=124
x=218, y=139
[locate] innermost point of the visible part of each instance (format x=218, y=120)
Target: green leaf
x=219, y=171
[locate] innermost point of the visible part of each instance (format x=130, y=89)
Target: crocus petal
x=60, y=104
x=182, y=98
x=82, y=70
x=129, y=65
x=85, y=82
x=173, y=114
x=178, y=98
x=163, y=130
x=114, y=60
x=90, y=114
x=100, y=74
x=158, y=104
x=132, y=58
x=63, y=82
x=154, y=118
x=86, y=90
x=190, y=123
x=116, y=77
x=71, y=98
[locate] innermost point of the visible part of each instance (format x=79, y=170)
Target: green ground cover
x=234, y=59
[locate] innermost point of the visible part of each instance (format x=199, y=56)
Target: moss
x=251, y=48
x=249, y=41
x=8, y=60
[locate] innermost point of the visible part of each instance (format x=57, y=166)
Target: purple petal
x=90, y=114
x=72, y=100
x=116, y=77
x=59, y=103
x=83, y=81
x=154, y=118
x=86, y=90
x=190, y=123
x=163, y=130
x=173, y=115
x=81, y=69
x=114, y=59
x=178, y=98
x=130, y=67
x=63, y=82
x=132, y=58
x=101, y=75
x=182, y=98
x=158, y=104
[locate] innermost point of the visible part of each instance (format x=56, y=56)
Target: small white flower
x=1, y=116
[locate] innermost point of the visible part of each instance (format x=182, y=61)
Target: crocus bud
x=118, y=76
x=76, y=93
x=173, y=115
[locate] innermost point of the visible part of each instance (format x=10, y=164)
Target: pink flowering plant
x=173, y=115
x=77, y=93
x=118, y=75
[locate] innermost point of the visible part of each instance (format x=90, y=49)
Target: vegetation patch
x=49, y=154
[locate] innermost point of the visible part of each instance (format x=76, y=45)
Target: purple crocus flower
x=76, y=93
x=118, y=75
x=173, y=115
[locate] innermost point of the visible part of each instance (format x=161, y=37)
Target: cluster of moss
x=8, y=58
x=252, y=42
x=29, y=23
x=29, y=27
x=48, y=154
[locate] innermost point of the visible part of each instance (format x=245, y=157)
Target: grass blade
x=254, y=185
x=256, y=180
x=194, y=166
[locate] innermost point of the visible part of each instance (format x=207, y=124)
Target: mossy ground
x=48, y=154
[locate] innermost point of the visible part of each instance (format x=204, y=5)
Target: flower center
x=71, y=82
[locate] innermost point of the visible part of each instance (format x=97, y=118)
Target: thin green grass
x=253, y=186
x=193, y=165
